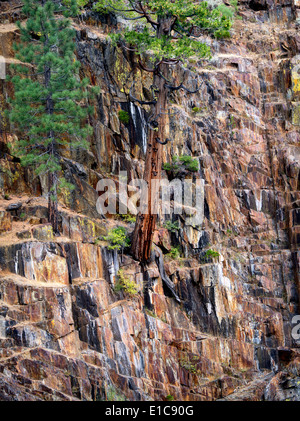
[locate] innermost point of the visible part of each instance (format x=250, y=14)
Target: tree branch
x=162, y=143
x=146, y=68
x=146, y=15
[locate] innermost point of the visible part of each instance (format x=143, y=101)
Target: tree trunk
x=52, y=202
x=145, y=223
x=52, y=176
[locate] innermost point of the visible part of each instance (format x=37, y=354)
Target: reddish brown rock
x=66, y=334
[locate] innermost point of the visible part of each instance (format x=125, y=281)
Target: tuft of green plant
x=211, y=253
x=114, y=395
x=6, y=196
x=196, y=110
x=170, y=398
x=183, y=163
x=168, y=167
x=174, y=253
x=82, y=3
x=172, y=226
x=234, y=4
x=232, y=122
x=185, y=159
x=123, y=116
x=129, y=218
x=117, y=238
x=190, y=163
x=229, y=12
x=125, y=284
x=23, y=215
x=188, y=365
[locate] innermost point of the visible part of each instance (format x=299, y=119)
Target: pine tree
x=168, y=37
x=47, y=106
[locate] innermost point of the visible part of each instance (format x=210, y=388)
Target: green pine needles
x=185, y=18
x=49, y=105
x=124, y=116
x=117, y=238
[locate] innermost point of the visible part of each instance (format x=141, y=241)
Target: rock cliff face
x=65, y=333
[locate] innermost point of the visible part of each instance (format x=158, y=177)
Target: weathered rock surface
x=65, y=334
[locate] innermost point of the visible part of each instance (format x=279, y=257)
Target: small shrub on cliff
x=125, y=284
x=170, y=167
x=182, y=165
x=234, y=4
x=117, y=239
x=123, y=116
x=189, y=163
x=212, y=253
x=188, y=365
x=82, y=3
x=174, y=253
x=172, y=226
x=129, y=218
x=114, y=395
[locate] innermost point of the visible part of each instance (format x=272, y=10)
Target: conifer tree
x=167, y=37
x=48, y=105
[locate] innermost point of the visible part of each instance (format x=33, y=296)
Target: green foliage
x=23, y=215
x=174, y=253
x=128, y=218
x=189, y=163
x=114, y=395
x=170, y=398
x=232, y=122
x=125, y=284
x=183, y=163
x=47, y=105
x=170, y=167
x=163, y=47
x=212, y=254
x=234, y=4
x=117, y=238
x=82, y=3
x=123, y=116
x=196, y=110
x=172, y=226
x=189, y=365
x=178, y=42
